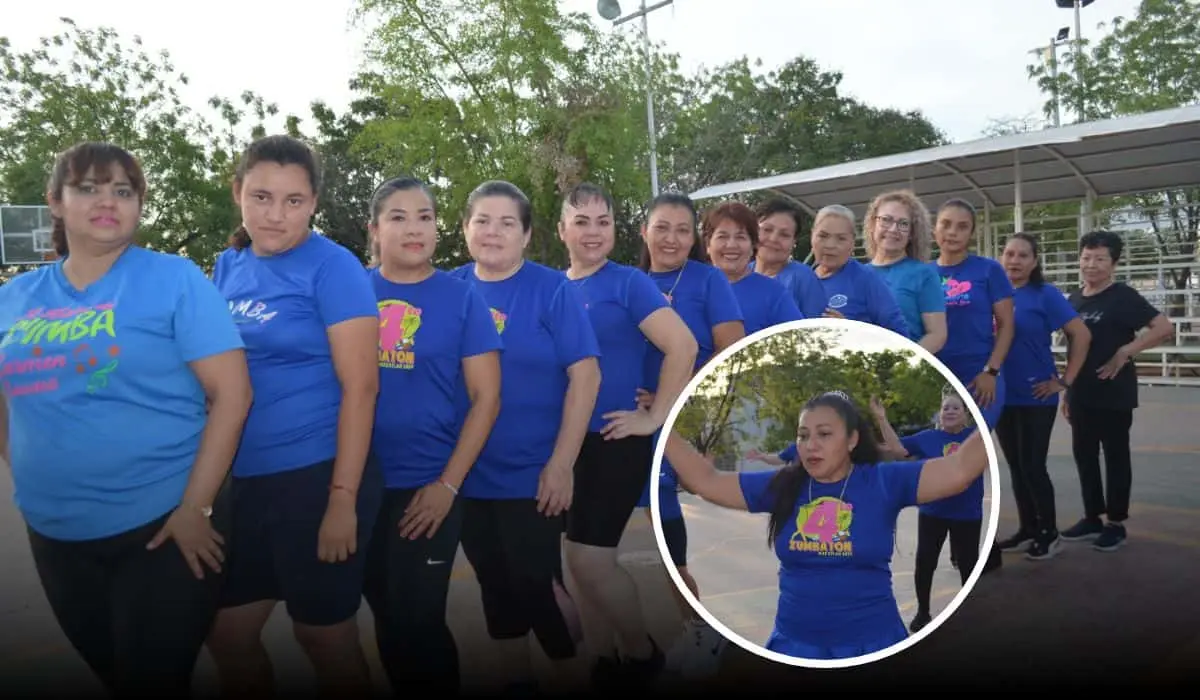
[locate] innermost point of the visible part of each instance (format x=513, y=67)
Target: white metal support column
x=1018, y=208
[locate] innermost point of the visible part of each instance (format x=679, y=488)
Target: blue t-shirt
x=805, y=287
x=917, y=290
x=284, y=306
x=545, y=329
x=764, y=302
x=971, y=289
x=703, y=298
x=856, y=292
x=836, y=598
x=933, y=443
x=426, y=330
x=104, y=412
x=1039, y=311
x=618, y=298
x=789, y=454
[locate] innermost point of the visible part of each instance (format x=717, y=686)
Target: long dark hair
x=788, y=482
x=1036, y=278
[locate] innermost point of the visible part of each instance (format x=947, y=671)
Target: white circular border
x=756, y=649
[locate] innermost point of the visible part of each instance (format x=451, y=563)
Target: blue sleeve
x=789, y=453
x=642, y=296
x=915, y=445
x=754, y=490
x=812, y=294
x=931, y=298
x=342, y=290
x=885, y=311
x=1059, y=311
x=900, y=481
x=999, y=285
x=219, y=268
x=202, y=324
x=479, y=330
x=721, y=305
x=784, y=309
x=568, y=323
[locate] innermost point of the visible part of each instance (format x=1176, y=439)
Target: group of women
x=299, y=429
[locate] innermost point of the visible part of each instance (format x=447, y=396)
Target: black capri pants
x=273, y=551
x=609, y=478
x=138, y=617
x=516, y=553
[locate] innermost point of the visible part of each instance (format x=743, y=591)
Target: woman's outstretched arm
x=699, y=476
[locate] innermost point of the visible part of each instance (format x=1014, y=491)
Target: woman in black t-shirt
x=1101, y=400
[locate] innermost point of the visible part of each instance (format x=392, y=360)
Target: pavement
x=1085, y=617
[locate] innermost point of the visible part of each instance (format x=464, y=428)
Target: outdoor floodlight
x=1063, y=34
x=1069, y=4
x=608, y=9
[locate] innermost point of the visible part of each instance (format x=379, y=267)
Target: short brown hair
x=736, y=212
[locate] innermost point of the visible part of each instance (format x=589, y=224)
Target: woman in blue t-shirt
x=1032, y=385
x=979, y=310
x=832, y=524
x=436, y=338
x=305, y=491
x=517, y=494
x=109, y=356
x=896, y=234
x=853, y=291
x=960, y=517
x=730, y=236
x=673, y=256
x=629, y=316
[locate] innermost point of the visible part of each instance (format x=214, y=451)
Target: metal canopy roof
x=1140, y=153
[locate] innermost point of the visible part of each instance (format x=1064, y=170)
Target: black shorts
x=675, y=534
x=610, y=476
x=273, y=547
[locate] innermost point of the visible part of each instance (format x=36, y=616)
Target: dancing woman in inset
x=832, y=521
x=964, y=526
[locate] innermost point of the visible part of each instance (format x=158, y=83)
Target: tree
x=87, y=84
x=768, y=383
x=1146, y=63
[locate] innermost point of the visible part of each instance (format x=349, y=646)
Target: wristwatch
x=206, y=511
x=990, y=370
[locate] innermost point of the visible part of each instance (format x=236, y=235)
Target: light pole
x=1077, y=6
x=1049, y=54
x=611, y=10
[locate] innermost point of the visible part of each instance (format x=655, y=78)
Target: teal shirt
x=917, y=289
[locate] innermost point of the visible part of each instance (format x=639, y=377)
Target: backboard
x=25, y=235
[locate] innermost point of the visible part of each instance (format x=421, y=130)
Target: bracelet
x=445, y=483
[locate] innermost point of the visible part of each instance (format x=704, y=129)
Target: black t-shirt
x=1113, y=316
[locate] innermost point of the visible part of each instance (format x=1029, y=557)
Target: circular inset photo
x=831, y=485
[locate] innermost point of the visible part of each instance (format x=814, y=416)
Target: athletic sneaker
x=1111, y=539
x=703, y=657
x=687, y=640
x=1044, y=546
x=638, y=673
x=1085, y=529
x=1018, y=541
x=918, y=623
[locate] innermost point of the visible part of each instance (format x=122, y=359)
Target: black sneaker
x=1085, y=529
x=1111, y=539
x=918, y=623
x=635, y=672
x=606, y=673
x=1016, y=542
x=1044, y=546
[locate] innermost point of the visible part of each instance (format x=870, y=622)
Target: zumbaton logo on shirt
x=500, y=319
x=77, y=340
x=249, y=310
x=950, y=448
x=823, y=528
x=957, y=293
x=398, y=324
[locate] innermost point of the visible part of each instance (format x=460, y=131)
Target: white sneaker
x=683, y=646
x=704, y=656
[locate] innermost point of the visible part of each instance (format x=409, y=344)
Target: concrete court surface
x=1086, y=617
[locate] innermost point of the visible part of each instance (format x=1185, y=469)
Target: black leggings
x=516, y=553
x=138, y=617
x=407, y=584
x=1024, y=434
x=1091, y=429
x=931, y=535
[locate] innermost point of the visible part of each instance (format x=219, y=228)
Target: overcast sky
x=961, y=61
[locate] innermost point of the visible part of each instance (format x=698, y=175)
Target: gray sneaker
x=1112, y=539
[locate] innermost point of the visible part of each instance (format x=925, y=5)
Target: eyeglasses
x=888, y=222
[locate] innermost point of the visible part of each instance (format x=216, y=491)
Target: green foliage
x=768, y=383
